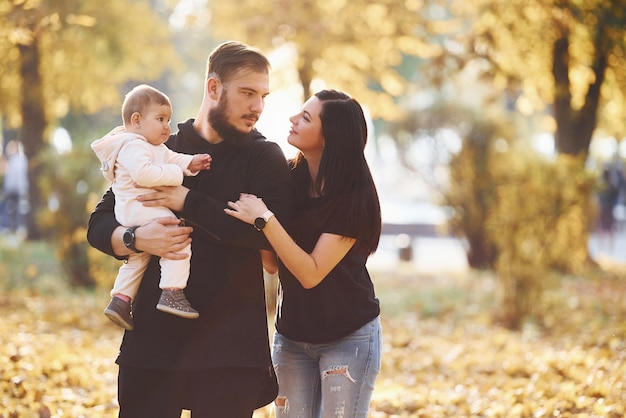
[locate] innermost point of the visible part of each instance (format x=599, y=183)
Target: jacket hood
x=108, y=147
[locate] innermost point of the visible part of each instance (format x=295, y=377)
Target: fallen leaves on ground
x=56, y=357
x=461, y=364
x=444, y=355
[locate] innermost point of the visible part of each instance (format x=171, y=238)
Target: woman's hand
x=247, y=208
x=172, y=197
x=163, y=237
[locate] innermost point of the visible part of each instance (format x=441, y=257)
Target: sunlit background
x=491, y=124
x=452, y=90
x=442, y=83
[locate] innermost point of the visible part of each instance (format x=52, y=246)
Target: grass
x=29, y=265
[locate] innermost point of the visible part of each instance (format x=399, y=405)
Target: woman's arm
x=309, y=269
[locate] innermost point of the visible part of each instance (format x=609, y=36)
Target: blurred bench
x=406, y=233
x=413, y=230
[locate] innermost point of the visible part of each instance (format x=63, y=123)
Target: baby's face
x=155, y=124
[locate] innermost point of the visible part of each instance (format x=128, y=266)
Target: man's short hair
x=230, y=57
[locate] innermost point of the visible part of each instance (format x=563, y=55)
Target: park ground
x=444, y=355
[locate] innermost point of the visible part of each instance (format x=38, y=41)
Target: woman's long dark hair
x=344, y=181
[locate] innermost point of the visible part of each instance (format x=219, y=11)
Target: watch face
x=127, y=238
x=259, y=223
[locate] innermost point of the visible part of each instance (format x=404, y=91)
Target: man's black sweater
x=226, y=280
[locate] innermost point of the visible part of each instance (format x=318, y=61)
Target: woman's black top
x=342, y=303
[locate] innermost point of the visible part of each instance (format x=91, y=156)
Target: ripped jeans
x=327, y=380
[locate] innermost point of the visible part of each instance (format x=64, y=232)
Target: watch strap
x=267, y=215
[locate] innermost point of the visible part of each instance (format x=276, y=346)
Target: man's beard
x=218, y=119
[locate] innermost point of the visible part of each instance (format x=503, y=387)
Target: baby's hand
x=200, y=162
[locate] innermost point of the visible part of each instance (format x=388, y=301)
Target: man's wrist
x=129, y=239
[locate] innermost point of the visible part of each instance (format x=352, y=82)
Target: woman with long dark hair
x=327, y=344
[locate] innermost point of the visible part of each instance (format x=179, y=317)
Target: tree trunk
x=306, y=84
x=563, y=112
x=588, y=114
x=305, y=64
x=575, y=127
x=31, y=133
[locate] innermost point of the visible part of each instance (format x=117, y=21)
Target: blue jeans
x=328, y=380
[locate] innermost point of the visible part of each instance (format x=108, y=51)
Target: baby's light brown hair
x=139, y=98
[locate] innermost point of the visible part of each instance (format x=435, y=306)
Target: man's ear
x=213, y=87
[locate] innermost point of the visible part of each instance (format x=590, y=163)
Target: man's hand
x=163, y=237
x=172, y=197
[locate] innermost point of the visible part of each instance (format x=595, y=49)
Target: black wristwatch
x=129, y=239
x=261, y=221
